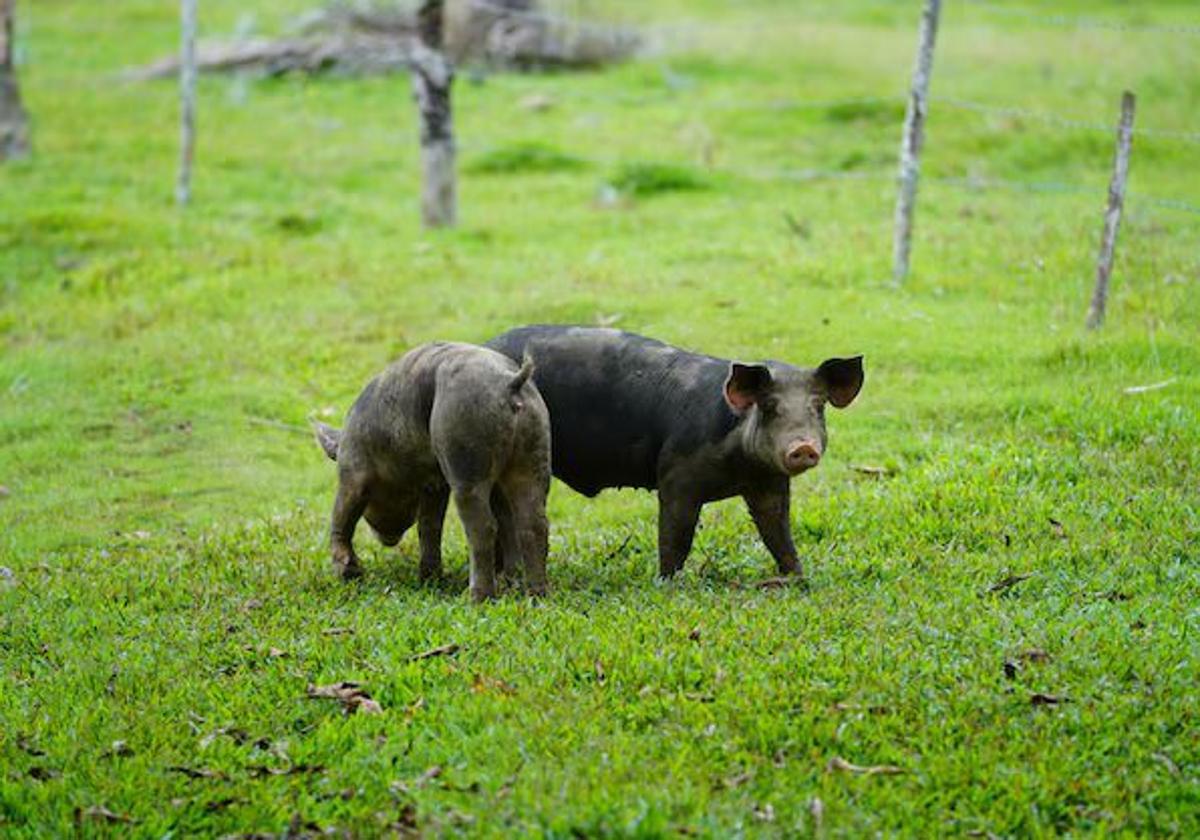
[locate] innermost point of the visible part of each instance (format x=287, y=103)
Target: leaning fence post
x=910, y=143
x=1112, y=216
x=187, y=100
x=432, y=76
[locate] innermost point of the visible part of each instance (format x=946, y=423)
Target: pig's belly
x=590, y=464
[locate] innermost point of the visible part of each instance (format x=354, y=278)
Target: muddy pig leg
x=431, y=515
x=348, y=507
x=508, y=549
x=475, y=511
x=527, y=498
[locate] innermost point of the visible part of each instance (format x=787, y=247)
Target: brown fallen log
x=347, y=54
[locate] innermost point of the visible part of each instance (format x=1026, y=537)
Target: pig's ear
x=745, y=385
x=842, y=378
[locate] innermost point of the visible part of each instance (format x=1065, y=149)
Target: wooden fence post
x=187, y=101
x=432, y=77
x=1112, y=216
x=910, y=143
x=14, y=122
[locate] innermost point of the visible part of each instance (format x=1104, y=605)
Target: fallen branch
x=1141, y=389
x=380, y=40
x=444, y=650
x=839, y=763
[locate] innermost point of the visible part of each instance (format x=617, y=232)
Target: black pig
x=629, y=411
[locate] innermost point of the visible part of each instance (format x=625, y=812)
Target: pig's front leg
x=431, y=514
x=770, y=508
x=677, y=518
x=348, y=508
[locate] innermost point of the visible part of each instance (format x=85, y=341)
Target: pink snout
x=802, y=456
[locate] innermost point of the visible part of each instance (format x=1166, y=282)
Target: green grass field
x=165, y=579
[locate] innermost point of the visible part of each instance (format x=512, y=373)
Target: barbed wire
x=1076, y=22
x=1060, y=20
x=1168, y=203
x=1062, y=122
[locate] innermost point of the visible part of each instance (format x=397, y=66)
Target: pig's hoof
x=348, y=571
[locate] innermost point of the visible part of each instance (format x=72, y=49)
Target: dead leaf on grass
x=405, y=788
x=26, y=746
x=1036, y=655
x=695, y=634
x=482, y=684
x=43, y=774
x=338, y=631
x=598, y=667
x=1165, y=761
x=443, y=650
x=871, y=470
x=238, y=735
x=196, y=772
x=406, y=823
x=780, y=582
x=223, y=803
x=764, y=813
x=817, y=808
x=1007, y=583
x=101, y=814
x=118, y=749
x=1059, y=530
x=839, y=763
x=1040, y=699
x=859, y=707
x=352, y=696
x=257, y=771
x=737, y=780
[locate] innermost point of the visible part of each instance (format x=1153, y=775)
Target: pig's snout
x=802, y=456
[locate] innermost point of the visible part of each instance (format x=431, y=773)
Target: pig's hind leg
x=474, y=509
x=526, y=495
x=431, y=515
x=508, y=549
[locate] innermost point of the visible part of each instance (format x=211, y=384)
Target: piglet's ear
x=745, y=385
x=842, y=378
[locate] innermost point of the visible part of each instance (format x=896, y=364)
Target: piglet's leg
x=770, y=511
x=475, y=511
x=430, y=517
x=527, y=496
x=677, y=518
x=508, y=549
x=348, y=507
